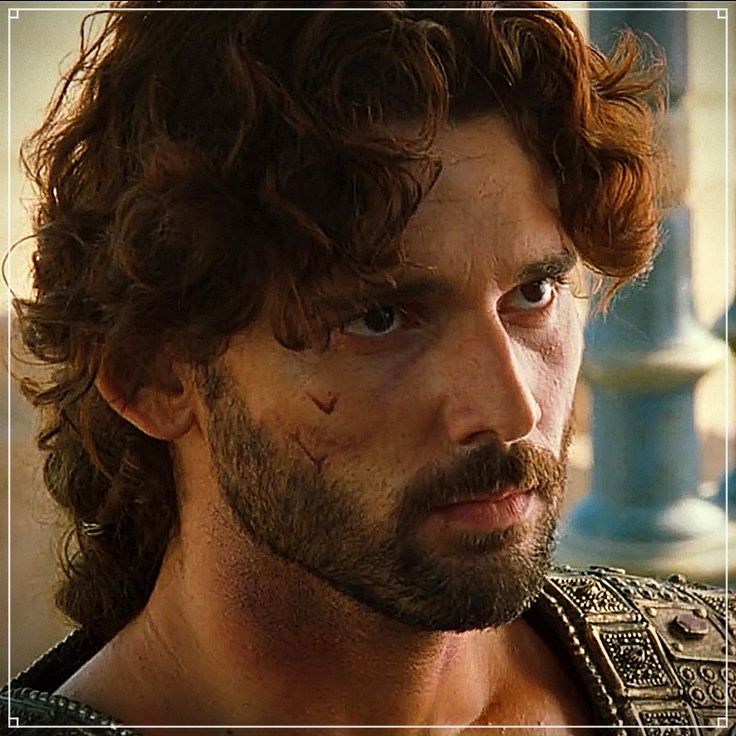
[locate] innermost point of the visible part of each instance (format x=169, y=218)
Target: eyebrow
x=433, y=288
x=556, y=265
x=422, y=288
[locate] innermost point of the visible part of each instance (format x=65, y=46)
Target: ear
x=162, y=409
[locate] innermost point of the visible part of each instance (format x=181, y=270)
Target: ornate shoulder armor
x=653, y=653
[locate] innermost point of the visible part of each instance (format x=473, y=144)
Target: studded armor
x=652, y=654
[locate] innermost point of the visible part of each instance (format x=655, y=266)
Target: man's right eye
x=375, y=322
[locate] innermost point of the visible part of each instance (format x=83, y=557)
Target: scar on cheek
x=327, y=406
x=317, y=461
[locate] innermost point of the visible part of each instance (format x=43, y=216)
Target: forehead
x=492, y=206
x=490, y=222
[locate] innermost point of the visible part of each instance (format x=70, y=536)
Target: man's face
x=417, y=463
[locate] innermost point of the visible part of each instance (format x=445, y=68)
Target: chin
x=478, y=588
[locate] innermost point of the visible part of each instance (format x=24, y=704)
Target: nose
x=488, y=387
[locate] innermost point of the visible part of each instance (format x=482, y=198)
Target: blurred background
x=646, y=477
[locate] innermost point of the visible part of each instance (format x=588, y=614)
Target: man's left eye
x=533, y=295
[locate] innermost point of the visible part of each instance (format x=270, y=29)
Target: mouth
x=504, y=508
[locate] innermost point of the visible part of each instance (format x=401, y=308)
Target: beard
x=291, y=510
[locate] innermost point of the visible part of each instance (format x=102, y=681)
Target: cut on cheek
x=326, y=405
x=318, y=460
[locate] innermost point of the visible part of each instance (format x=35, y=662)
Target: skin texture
x=305, y=476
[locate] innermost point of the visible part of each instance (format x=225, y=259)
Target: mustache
x=487, y=470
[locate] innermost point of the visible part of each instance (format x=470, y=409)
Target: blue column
x=643, y=360
x=728, y=482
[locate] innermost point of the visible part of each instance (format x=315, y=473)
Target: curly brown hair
x=193, y=162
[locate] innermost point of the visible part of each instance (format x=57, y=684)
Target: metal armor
x=651, y=653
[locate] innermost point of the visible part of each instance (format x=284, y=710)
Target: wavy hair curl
x=193, y=162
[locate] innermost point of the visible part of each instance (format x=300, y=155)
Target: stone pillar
x=727, y=487
x=643, y=360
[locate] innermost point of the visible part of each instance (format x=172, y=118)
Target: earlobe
x=164, y=412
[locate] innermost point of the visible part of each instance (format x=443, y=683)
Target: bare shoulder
x=539, y=686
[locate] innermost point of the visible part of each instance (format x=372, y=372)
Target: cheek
x=361, y=413
x=320, y=426
x=353, y=436
x=558, y=366
x=341, y=419
x=562, y=352
x=557, y=369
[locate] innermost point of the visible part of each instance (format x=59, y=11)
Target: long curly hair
x=194, y=161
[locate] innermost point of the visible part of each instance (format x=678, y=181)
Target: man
x=306, y=280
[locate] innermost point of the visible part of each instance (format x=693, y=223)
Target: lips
x=498, y=510
x=493, y=497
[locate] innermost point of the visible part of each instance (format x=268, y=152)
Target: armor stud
x=689, y=626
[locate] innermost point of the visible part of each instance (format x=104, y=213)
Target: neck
x=267, y=642
x=232, y=635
